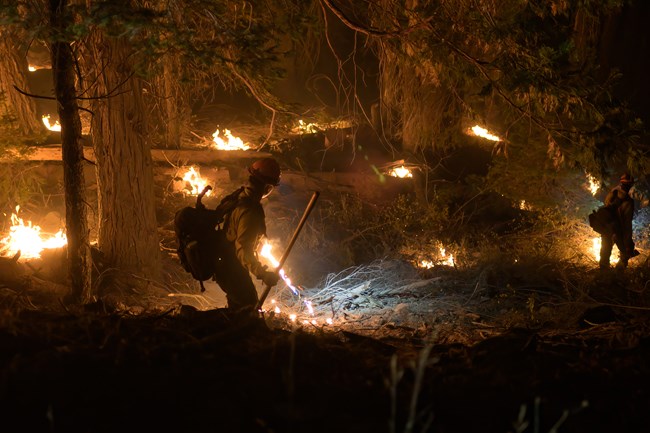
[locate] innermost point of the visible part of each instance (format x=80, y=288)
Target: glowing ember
x=400, y=172
x=306, y=128
x=595, y=250
x=28, y=239
x=229, y=141
x=482, y=132
x=265, y=252
x=52, y=127
x=593, y=184
x=293, y=317
x=195, y=182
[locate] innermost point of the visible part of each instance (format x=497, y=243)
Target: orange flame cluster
x=196, y=183
x=592, y=184
x=265, y=251
x=56, y=126
x=306, y=128
x=27, y=239
x=401, y=172
x=479, y=131
x=445, y=259
x=228, y=141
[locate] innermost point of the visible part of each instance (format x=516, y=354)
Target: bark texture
x=79, y=259
x=13, y=72
x=127, y=225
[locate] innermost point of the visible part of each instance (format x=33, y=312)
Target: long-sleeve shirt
x=245, y=226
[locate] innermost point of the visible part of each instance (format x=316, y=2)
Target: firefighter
x=620, y=201
x=244, y=228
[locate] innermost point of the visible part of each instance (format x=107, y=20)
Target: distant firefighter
x=620, y=203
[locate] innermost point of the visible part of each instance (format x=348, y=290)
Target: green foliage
x=528, y=71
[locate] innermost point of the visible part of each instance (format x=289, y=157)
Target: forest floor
x=402, y=354
x=524, y=346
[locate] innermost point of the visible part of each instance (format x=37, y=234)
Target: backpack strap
x=228, y=204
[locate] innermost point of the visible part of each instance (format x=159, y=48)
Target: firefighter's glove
x=270, y=278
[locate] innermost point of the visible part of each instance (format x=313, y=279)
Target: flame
x=196, y=183
x=230, y=142
x=31, y=68
x=306, y=128
x=593, y=184
x=400, y=172
x=52, y=127
x=445, y=259
x=523, y=205
x=28, y=239
x=482, y=132
x=265, y=252
x=595, y=250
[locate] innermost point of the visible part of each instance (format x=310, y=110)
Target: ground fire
x=56, y=126
x=401, y=172
x=227, y=141
x=194, y=182
x=28, y=239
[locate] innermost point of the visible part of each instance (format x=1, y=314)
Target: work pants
x=621, y=236
x=606, y=245
x=625, y=215
x=236, y=282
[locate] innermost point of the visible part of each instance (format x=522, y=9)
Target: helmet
x=265, y=170
x=627, y=178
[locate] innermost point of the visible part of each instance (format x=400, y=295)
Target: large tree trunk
x=79, y=260
x=127, y=219
x=13, y=72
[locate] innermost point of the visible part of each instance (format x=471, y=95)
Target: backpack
x=201, y=237
x=603, y=220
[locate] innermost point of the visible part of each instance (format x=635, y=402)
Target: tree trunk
x=79, y=260
x=127, y=219
x=13, y=71
x=173, y=111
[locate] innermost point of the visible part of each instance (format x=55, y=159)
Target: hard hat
x=627, y=178
x=266, y=170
